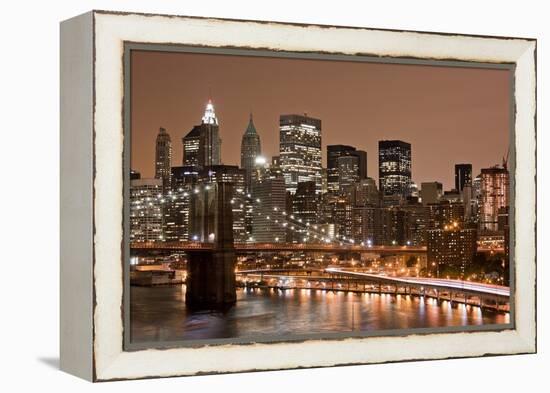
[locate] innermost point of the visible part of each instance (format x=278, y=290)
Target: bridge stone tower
x=211, y=274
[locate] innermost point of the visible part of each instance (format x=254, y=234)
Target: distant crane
x=505, y=159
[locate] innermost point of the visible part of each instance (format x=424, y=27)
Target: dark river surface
x=159, y=314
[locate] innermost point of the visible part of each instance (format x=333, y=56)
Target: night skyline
x=229, y=224
x=470, y=100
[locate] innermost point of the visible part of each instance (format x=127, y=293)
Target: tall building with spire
x=250, y=150
x=163, y=158
x=210, y=144
x=202, y=145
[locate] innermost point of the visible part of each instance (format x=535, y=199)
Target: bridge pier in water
x=211, y=283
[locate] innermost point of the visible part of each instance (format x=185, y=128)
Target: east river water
x=159, y=314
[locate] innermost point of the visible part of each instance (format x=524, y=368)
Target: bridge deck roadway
x=435, y=283
x=286, y=247
x=439, y=284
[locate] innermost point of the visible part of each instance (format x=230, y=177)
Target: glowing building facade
x=394, y=168
x=300, y=151
x=440, y=214
x=202, y=145
x=305, y=209
x=163, y=158
x=146, y=210
x=494, y=194
x=177, y=203
x=191, y=143
x=451, y=247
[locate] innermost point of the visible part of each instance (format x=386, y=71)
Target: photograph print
x=278, y=196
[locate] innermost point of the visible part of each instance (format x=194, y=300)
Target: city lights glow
x=288, y=223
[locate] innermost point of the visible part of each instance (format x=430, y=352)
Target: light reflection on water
x=159, y=314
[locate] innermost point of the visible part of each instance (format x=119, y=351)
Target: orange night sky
x=449, y=115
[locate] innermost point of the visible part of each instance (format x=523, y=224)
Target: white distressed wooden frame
x=92, y=204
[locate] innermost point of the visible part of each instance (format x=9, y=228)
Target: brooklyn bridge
x=211, y=261
x=167, y=247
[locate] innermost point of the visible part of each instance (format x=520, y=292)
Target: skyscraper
x=250, y=150
x=348, y=171
x=333, y=153
x=300, y=150
x=394, y=167
x=191, y=143
x=463, y=176
x=495, y=186
x=146, y=206
x=202, y=145
x=210, y=142
x=305, y=207
x=163, y=158
x=363, y=224
x=343, y=218
x=336, y=151
x=268, y=210
x=362, y=157
x=177, y=203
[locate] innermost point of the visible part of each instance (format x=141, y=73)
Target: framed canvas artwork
x=247, y=195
